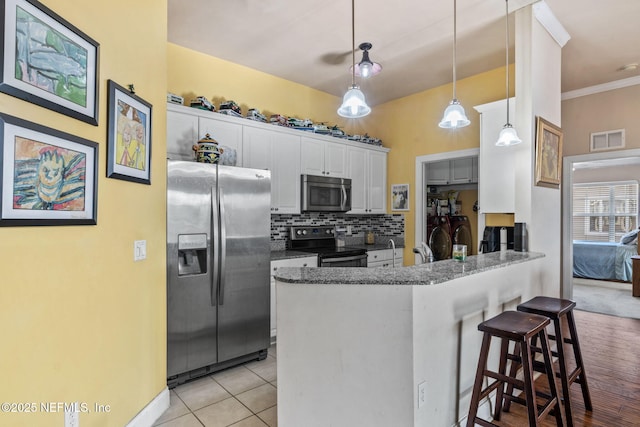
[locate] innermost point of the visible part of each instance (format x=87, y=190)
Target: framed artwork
x=400, y=197
x=548, y=154
x=48, y=61
x=129, y=136
x=49, y=177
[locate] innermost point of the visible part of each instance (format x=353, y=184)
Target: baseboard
x=154, y=409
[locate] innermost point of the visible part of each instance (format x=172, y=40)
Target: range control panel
x=312, y=232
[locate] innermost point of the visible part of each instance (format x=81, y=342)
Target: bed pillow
x=629, y=237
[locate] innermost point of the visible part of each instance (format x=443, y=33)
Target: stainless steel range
x=321, y=240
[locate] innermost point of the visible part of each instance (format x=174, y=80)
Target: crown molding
x=548, y=20
x=604, y=87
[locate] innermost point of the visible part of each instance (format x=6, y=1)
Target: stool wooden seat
x=520, y=328
x=556, y=309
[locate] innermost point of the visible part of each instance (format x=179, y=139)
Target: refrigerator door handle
x=215, y=243
x=223, y=249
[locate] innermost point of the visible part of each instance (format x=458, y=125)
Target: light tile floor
x=243, y=396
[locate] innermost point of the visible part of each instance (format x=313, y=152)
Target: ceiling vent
x=609, y=140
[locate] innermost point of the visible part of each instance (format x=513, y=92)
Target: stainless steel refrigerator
x=218, y=254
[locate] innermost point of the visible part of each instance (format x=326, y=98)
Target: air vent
x=608, y=140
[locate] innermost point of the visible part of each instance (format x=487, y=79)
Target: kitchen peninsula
x=382, y=347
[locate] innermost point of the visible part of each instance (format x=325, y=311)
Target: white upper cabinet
x=320, y=157
x=368, y=172
x=279, y=153
x=496, y=188
x=228, y=135
x=182, y=134
x=455, y=171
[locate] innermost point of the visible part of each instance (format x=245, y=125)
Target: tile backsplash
x=381, y=225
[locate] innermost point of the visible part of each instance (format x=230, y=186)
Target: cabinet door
x=285, y=173
x=335, y=160
x=182, y=134
x=377, y=182
x=496, y=164
x=460, y=171
x=474, y=169
x=438, y=173
x=357, y=171
x=275, y=265
x=312, y=156
x=228, y=135
x=256, y=150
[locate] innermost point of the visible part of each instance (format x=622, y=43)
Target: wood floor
x=611, y=352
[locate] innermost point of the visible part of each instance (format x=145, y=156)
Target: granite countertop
x=424, y=274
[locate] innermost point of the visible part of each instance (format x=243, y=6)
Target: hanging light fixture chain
x=454, y=49
x=353, y=42
x=506, y=2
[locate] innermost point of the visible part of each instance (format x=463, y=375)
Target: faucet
x=393, y=246
x=425, y=253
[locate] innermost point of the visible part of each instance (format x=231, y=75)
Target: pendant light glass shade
x=366, y=68
x=454, y=116
x=353, y=104
x=508, y=135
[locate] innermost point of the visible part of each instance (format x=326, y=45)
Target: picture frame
x=400, y=197
x=56, y=69
x=49, y=177
x=548, y=154
x=128, y=136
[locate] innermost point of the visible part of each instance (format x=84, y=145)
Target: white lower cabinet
x=384, y=258
x=310, y=261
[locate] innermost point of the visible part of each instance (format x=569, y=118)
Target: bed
x=603, y=260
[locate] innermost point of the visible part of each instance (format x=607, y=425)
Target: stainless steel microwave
x=325, y=194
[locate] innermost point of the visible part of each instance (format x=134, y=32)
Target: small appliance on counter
x=520, y=237
x=491, y=239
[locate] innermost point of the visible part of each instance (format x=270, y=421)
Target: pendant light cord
x=506, y=2
x=454, y=50
x=353, y=42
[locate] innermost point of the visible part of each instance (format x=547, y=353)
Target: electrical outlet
x=71, y=416
x=139, y=250
x=422, y=394
x=349, y=232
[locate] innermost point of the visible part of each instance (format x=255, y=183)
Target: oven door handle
x=344, y=258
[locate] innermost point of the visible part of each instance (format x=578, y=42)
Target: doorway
x=574, y=166
x=421, y=183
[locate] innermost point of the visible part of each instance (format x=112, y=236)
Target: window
x=604, y=211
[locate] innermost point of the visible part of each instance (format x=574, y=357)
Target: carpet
x=600, y=296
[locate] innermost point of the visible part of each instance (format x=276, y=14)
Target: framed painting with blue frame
x=47, y=61
x=128, y=135
x=49, y=177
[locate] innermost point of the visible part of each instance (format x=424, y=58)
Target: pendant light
x=353, y=104
x=367, y=68
x=508, y=135
x=454, y=116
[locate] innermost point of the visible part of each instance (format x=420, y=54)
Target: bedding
x=603, y=260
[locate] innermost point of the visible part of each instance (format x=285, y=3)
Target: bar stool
x=556, y=309
x=520, y=328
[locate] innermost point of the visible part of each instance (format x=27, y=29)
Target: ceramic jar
x=207, y=150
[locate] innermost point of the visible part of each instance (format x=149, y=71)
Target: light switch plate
x=139, y=250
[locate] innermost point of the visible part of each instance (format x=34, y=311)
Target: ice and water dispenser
x=192, y=254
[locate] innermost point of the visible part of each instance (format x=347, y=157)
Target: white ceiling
x=309, y=41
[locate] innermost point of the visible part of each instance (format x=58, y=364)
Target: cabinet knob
x=275, y=268
x=304, y=265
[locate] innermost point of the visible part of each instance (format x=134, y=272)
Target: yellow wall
x=81, y=321
x=409, y=126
